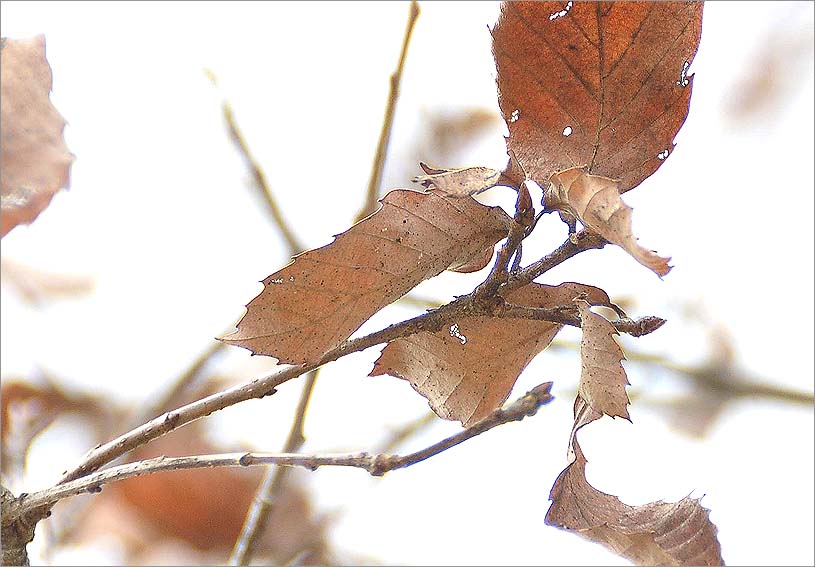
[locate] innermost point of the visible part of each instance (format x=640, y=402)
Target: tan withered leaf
x=596, y=201
x=469, y=369
x=460, y=181
x=317, y=301
x=33, y=156
x=602, y=377
x=658, y=533
x=598, y=84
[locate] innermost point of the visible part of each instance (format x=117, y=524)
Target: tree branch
x=431, y=321
x=376, y=465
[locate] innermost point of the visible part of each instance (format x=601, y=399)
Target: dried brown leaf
x=33, y=156
x=596, y=201
x=469, y=369
x=458, y=182
x=317, y=301
x=598, y=84
x=658, y=533
x=602, y=377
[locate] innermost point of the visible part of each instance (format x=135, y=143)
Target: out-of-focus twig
x=258, y=515
x=423, y=302
x=400, y=435
x=181, y=385
x=261, y=184
x=725, y=380
x=375, y=179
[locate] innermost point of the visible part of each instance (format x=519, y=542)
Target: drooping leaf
x=33, y=156
x=658, y=533
x=603, y=85
x=469, y=369
x=596, y=201
x=320, y=299
x=601, y=390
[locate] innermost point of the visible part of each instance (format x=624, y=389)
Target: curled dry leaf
x=458, y=182
x=468, y=370
x=658, y=533
x=316, y=302
x=601, y=390
x=33, y=156
x=599, y=84
x=596, y=201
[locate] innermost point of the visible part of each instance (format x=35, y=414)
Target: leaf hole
x=663, y=154
x=454, y=332
x=683, y=75
x=515, y=115
x=561, y=13
x=567, y=131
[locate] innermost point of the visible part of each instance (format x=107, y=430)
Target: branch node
x=380, y=464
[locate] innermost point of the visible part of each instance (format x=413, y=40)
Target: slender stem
x=261, y=183
x=376, y=465
x=272, y=483
x=722, y=379
x=398, y=436
x=580, y=242
x=375, y=180
x=170, y=397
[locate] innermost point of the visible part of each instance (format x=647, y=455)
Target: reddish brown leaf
x=658, y=533
x=468, y=370
x=596, y=201
x=317, y=301
x=33, y=155
x=596, y=84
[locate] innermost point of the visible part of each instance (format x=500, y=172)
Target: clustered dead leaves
x=593, y=95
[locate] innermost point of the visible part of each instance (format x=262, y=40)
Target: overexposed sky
x=161, y=216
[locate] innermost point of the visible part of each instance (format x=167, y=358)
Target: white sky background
x=161, y=216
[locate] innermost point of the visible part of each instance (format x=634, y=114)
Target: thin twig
x=573, y=246
x=258, y=515
x=423, y=302
x=376, y=465
x=566, y=315
x=723, y=379
x=184, y=382
x=259, y=177
x=400, y=435
x=375, y=180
